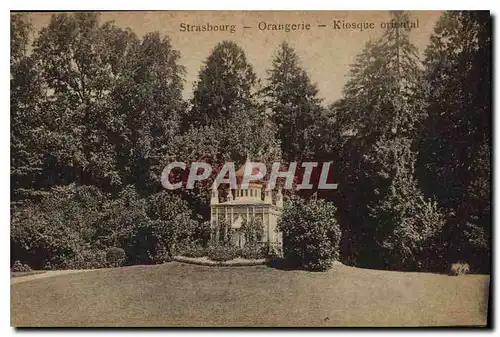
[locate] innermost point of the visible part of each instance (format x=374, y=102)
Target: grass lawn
x=176, y=294
x=25, y=273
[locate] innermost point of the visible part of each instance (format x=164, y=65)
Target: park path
x=48, y=273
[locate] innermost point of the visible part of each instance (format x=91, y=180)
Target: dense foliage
x=115, y=256
x=225, y=252
x=253, y=252
x=393, y=213
x=295, y=107
x=74, y=227
x=222, y=252
x=97, y=112
x=383, y=98
x=455, y=147
x=253, y=230
x=18, y=267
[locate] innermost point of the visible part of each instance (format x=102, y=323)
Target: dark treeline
x=97, y=112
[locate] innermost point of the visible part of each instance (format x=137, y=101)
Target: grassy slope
x=179, y=294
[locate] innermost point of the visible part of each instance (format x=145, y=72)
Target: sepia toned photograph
x=250, y=169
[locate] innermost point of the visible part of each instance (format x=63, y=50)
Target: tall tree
x=455, y=147
x=73, y=54
x=226, y=121
x=149, y=97
x=232, y=141
x=226, y=85
x=295, y=108
x=25, y=91
x=112, y=102
x=384, y=100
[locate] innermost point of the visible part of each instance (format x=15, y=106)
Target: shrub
x=311, y=234
x=410, y=237
x=476, y=244
x=58, y=227
x=171, y=221
x=202, y=233
x=148, y=229
x=194, y=251
x=222, y=253
x=161, y=254
x=72, y=227
x=84, y=258
x=47, y=265
x=459, y=269
x=253, y=252
x=19, y=267
x=115, y=256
